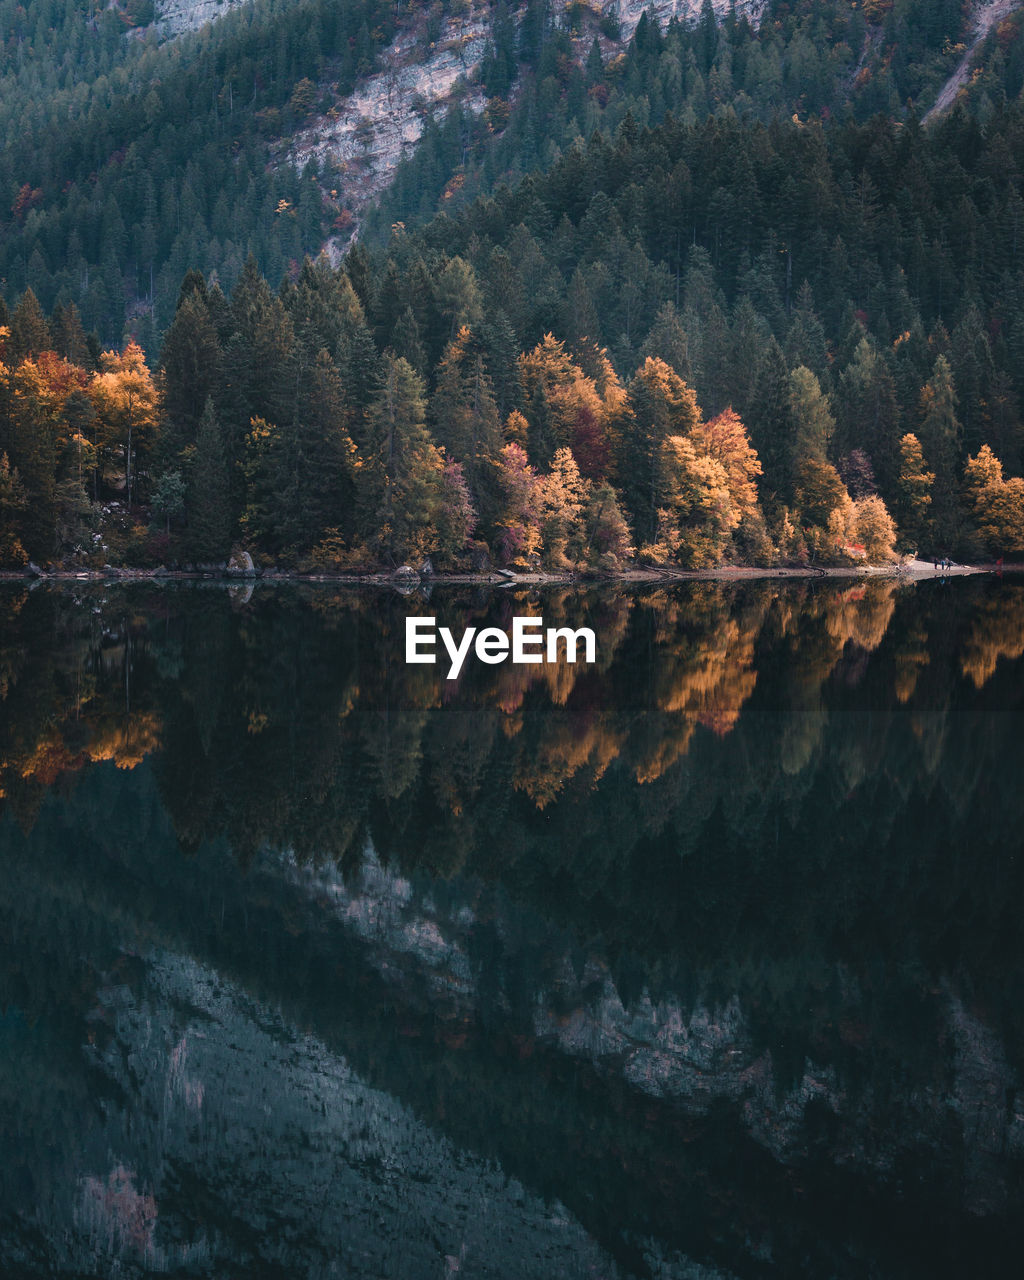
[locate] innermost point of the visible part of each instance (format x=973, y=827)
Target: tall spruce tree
x=207, y=502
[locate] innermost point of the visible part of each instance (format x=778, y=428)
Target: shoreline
x=913, y=571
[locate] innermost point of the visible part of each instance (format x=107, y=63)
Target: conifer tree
x=870, y=414
x=465, y=419
x=914, y=486
x=401, y=480
x=813, y=423
x=940, y=438
x=191, y=362
x=207, y=501
x=771, y=422
x=667, y=341
x=30, y=334
x=660, y=405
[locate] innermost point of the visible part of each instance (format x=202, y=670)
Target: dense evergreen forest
x=746, y=318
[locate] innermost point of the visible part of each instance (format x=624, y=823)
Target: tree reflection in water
x=715, y=943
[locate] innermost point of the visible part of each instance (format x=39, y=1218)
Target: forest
x=711, y=331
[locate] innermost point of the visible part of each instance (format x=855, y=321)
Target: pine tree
x=35, y=426
x=207, y=502
x=914, y=487
x=660, y=405
x=465, y=419
x=30, y=334
x=870, y=414
x=405, y=341
x=69, y=338
x=191, y=362
x=401, y=473
x=940, y=438
x=772, y=425
x=813, y=423
x=667, y=341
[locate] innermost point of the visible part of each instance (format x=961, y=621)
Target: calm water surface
x=703, y=961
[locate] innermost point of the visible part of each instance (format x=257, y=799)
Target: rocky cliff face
x=365, y=135
x=174, y=17
x=685, y=11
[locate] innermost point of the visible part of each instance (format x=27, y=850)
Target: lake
x=702, y=960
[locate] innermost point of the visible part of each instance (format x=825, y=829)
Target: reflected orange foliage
x=862, y=614
x=997, y=632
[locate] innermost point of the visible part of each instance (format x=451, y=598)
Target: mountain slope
x=983, y=18
x=147, y=139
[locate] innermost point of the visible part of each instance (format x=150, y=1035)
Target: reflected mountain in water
x=703, y=960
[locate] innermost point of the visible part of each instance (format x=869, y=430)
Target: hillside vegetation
x=745, y=317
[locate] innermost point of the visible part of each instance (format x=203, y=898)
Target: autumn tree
x=695, y=513
x=874, y=529
x=127, y=408
x=996, y=504
x=563, y=502
x=517, y=528
x=560, y=401
x=725, y=439
x=825, y=509
x=456, y=517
